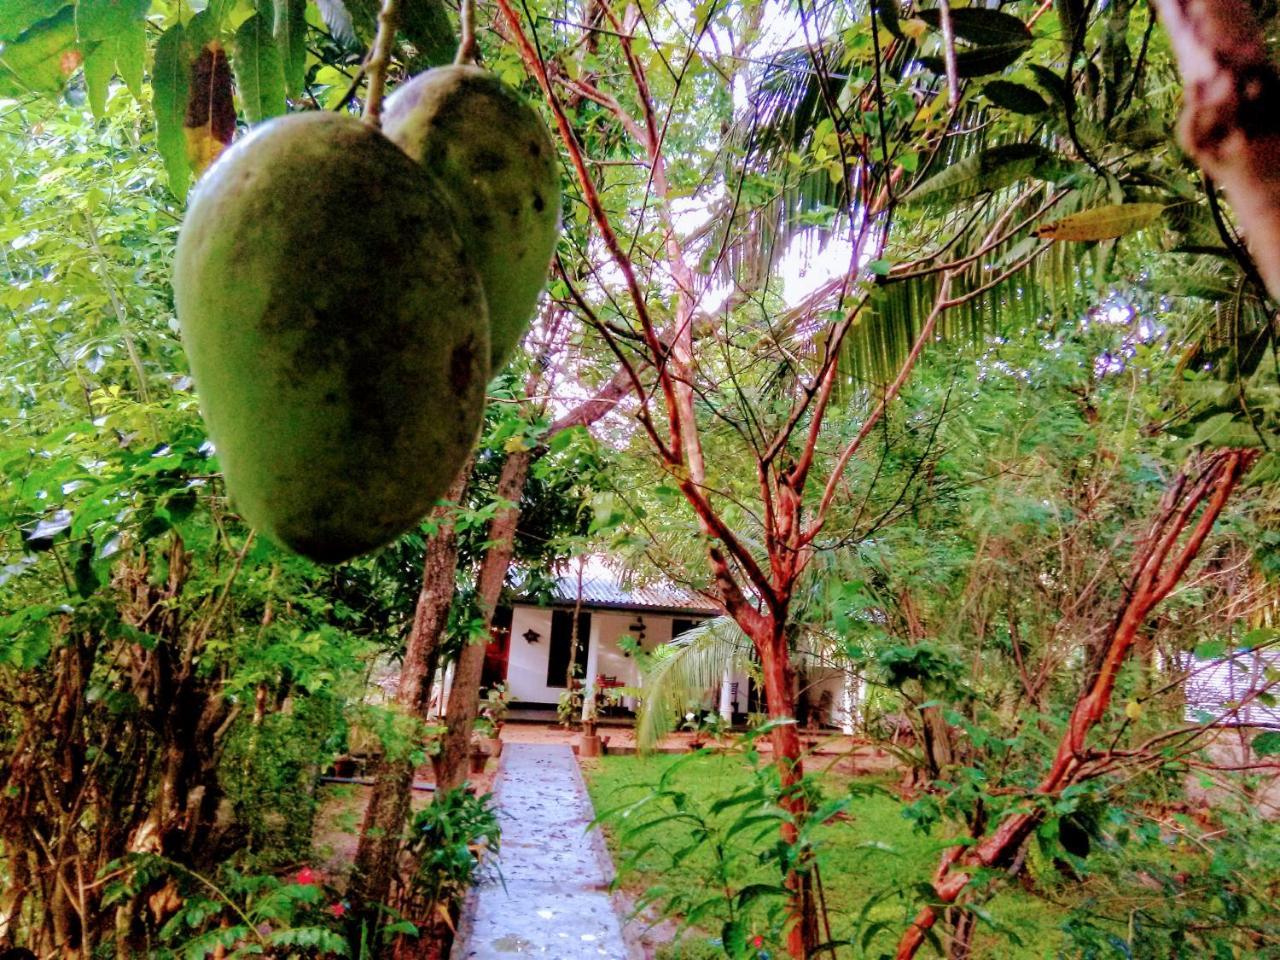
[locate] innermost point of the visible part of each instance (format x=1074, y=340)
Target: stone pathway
x=556, y=903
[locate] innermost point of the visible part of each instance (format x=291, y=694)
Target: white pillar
x=446, y=684
x=846, y=710
x=593, y=659
x=726, y=695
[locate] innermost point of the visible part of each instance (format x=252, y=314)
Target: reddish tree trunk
x=1153, y=576
x=780, y=702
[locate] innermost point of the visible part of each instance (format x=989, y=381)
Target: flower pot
x=478, y=759
x=589, y=745
x=494, y=746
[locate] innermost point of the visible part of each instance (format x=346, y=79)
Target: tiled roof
x=606, y=588
x=1228, y=688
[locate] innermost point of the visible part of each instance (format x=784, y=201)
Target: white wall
x=527, y=663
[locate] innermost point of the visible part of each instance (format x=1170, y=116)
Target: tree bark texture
x=464, y=696
x=388, y=810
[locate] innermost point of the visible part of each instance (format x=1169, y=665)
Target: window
x=679, y=626
x=561, y=637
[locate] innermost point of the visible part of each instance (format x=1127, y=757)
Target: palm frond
x=683, y=671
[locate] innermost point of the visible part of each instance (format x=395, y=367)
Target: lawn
x=874, y=853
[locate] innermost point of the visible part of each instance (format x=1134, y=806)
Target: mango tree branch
x=1230, y=124
x=533, y=63
x=379, y=60
x=1150, y=583
x=467, y=46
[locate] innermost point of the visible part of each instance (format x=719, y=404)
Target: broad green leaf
x=119, y=27
x=170, y=81
x=1101, y=223
x=99, y=68
x=105, y=19
x=1267, y=744
x=1225, y=430
x=981, y=27
x=1053, y=85
x=18, y=16
x=1015, y=97
x=983, y=172
x=131, y=57
x=979, y=62
x=42, y=58
x=259, y=71
x=289, y=28
x=428, y=27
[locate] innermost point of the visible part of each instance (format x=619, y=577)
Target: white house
x=532, y=652
x=531, y=646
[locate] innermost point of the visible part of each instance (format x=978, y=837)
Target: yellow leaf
x=1133, y=710
x=1101, y=223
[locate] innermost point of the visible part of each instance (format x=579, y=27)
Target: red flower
x=758, y=942
x=338, y=909
x=306, y=876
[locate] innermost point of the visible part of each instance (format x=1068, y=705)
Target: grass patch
x=873, y=856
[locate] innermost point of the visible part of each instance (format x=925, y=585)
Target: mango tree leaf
x=430, y=30
x=259, y=71
x=981, y=27
x=170, y=82
x=99, y=68
x=983, y=172
x=19, y=16
x=979, y=62
x=1053, y=85
x=104, y=19
x=42, y=58
x=1014, y=97
x=119, y=27
x=131, y=57
x=1101, y=223
x=289, y=28
x=210, y=120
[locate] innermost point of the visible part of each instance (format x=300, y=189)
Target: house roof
x=604, y=588
x=1227, y=689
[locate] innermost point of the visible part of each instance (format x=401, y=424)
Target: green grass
x=873, y=854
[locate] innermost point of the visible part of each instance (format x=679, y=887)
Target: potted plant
x=493, y=710
x=479, y=756
x=589, y=743
x=693, y=723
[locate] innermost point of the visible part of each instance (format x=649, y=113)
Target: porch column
x=726, y=695
x=847, y=708
x=593, y=660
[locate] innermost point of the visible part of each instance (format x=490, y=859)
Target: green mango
x=495, y=158
x=337, y=333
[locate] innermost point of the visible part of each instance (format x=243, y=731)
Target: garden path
x=555, y=902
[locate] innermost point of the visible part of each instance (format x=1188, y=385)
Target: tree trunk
x=780, y=702
x=388, y=809
x=464, y=695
